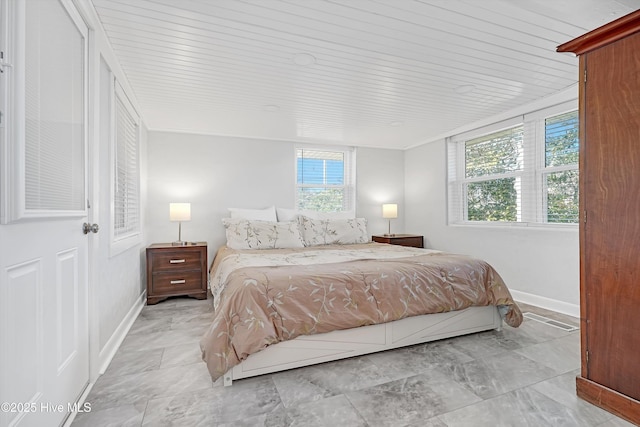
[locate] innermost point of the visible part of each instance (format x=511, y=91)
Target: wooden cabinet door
x=610, y=237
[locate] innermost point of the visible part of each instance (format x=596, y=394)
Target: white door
x=44, y=357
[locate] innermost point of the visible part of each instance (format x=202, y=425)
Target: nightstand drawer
x=178, y=282
x=178, y=260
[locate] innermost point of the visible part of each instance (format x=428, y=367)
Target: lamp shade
x=390, y=210
x=180, y=211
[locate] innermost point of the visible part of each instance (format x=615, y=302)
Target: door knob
x=90, y=228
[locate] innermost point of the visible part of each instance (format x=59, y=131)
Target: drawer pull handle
x=176, y=261
x=178, y=282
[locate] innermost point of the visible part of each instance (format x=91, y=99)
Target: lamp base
x=389, y=235
x=179, y=243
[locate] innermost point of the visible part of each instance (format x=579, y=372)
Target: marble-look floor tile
x=410, y=400
x=562, y=389
x=616, y=422
x=111, y=391
x=200, y=321
x=181, y=355
x=190, y=303
x=497, y=375
x=514, y=369
x=562, y=354
x=523, y=407
x=245, y=399
x=327, y=379
x=278, y=418
x=133, y=362
x=409, y=361
x=531, y=332
x=173, y=307
x=432, y=422
x=156, y=340
x=119, y=416
x=145, y=325
x=160, y=310
x=485, y=344
x=330, y=412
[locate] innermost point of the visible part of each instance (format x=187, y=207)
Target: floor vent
x=550, y=322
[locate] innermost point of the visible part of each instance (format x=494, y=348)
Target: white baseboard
x=111, y=347
x=80, y=402
x=547, y=303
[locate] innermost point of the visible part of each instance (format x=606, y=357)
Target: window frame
x=120, y=243
x=349, y=170
x=533, y=193
x=542, y=170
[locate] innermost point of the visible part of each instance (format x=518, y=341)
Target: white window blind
x=521, y=171
x=54, y=110
x=126, y=195
x=560, y=174
x=325, y=179
x=493, y=179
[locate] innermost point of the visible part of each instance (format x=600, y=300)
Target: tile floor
x=516, y=377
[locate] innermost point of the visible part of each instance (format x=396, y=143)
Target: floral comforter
x=264, y=297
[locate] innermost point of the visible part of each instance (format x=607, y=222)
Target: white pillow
x=266, y=214
x=245, y=234
x=333, y=231
x=292, y=214
x=285, y=214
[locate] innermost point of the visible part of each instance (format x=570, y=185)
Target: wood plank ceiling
x=378, y=73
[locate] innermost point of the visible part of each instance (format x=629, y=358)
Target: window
x=493, y=169
x=324, y=179
x=560, y=176
x=126, y=194
x=524, y=170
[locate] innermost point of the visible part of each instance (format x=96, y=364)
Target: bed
x=279, y=309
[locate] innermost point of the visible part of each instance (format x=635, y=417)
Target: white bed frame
x=312, y=349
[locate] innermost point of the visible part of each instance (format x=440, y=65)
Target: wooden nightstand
x=401, y=239
x=176, y=270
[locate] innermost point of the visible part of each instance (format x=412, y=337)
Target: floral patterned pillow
x=246, y=234
x=333, y=231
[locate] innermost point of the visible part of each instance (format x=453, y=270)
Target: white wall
x=540, y=266
x=214, y=173
x=380, y=180
x=117, y=278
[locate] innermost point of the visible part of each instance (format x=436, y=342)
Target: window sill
x=517, y=225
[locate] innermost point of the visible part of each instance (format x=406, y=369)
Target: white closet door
x=44, y=358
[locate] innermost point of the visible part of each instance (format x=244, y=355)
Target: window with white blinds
x=560, y=174
x=126, y=185
x=524, y=170
x=54, y=150
x=325, y=179
x=493, y=175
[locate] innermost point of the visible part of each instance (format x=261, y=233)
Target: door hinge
x=587, y=356
x=585, y=75
x=584, y=216
x=3, y=64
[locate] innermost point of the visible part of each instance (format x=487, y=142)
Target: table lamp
x=389, y=211
x=179, y=212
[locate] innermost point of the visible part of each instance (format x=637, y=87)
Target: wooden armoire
x=609, y=86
